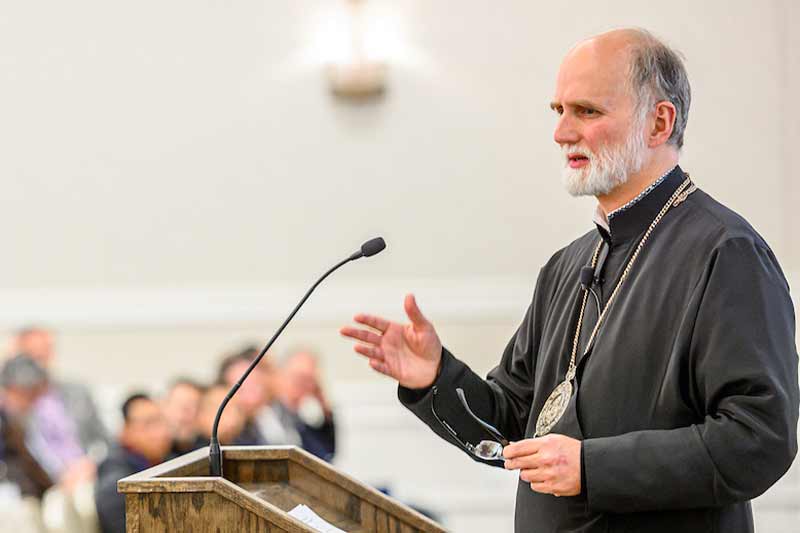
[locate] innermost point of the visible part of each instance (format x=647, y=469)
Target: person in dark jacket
x=653, y=383
x=305, y=405
x=145, y=441
x=230, y=424
x=181, y=406
x=250, y=398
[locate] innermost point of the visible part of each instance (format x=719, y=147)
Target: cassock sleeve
x=503, y=399
x=739, y=338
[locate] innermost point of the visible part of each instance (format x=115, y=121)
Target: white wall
x=790, y=15
x=195, y=144
x=174, y=173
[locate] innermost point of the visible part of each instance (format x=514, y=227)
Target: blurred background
x=175, y=174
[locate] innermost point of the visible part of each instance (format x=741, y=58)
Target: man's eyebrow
x=576, y=103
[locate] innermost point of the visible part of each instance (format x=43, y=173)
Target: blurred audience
x=283, y=404
x=181, y=407
x=144, y=441
x=51, y=436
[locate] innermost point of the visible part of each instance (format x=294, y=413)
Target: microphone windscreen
x=373, y=246
x=586, y=277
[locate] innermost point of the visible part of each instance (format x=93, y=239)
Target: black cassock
x=687, y=403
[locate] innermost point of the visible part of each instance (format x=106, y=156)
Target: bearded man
x=652, y=385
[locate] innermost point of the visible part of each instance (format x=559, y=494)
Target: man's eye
x=588, y=111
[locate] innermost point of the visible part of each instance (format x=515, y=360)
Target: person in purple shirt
x=65, y=432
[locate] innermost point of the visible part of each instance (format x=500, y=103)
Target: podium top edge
x=190, y=473
x=200, y=455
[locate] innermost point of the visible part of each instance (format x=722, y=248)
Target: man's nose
x=566, y=132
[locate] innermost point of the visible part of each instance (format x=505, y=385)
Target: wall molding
x=463, y=300
x=470, y=300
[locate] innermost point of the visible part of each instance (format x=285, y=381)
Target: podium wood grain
x=260, y=486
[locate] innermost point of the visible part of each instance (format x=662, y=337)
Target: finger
x=375, y=322
x=536, y=475
x=413, y=312
x=524, y=462
x=361, y=335
x=544, y=487
x=379, y=366
x=372, y=352
x=521, y=448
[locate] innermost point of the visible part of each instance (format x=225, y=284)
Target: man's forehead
x=595, y=70
x=143, y=407
x=184, y=389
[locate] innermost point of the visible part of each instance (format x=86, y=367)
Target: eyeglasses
x=489, y=450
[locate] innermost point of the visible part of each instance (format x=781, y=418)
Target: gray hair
x=657, y=73
x=23, y=372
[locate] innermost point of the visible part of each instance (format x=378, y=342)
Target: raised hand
x=409, y=353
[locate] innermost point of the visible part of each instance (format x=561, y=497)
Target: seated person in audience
x=144, y=441
x=22, y=381
x=276, y=422
x=230, y=425
x=181, y=406
x=300, y=393
x=250, y=397
x=65, y=432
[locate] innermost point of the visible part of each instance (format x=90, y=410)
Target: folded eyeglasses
x=489, y=450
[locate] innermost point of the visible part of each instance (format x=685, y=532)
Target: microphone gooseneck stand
x=368, y=249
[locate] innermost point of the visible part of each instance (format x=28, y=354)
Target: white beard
x=607, y=169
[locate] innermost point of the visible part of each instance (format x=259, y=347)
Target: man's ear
x=663, y=124
x=124, y=436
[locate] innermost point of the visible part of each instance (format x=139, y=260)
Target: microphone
x=586, y=277
x=589, y=275
x=601, y=264
x=368, y=249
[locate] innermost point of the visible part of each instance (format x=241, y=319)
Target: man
x=301, y=397
x=145, y=441
x=231, y=423
x=673, y=405
x=250, y=398
x=273, y=420
x=181, y=407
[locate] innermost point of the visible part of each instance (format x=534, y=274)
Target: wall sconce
x=357, y=77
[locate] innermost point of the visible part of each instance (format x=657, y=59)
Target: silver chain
x=676, y=199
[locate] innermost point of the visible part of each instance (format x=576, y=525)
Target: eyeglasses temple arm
x=492, y=431
x=466, y=445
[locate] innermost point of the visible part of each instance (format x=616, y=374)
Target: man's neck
x=638, y=182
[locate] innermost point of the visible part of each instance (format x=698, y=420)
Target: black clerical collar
x=632, y=219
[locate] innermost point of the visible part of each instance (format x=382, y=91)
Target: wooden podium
x=261, y=484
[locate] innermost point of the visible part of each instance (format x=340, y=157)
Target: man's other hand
x=551, y=464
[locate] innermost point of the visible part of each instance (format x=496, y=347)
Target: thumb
x=413, y=312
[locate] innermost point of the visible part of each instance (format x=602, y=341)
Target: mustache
x=567, y=149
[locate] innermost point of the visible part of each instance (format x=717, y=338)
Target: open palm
x=409, y=353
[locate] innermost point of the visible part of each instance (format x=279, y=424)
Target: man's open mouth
x=577, y=160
